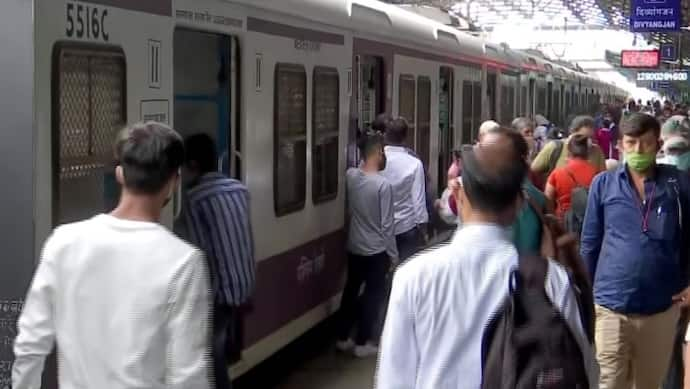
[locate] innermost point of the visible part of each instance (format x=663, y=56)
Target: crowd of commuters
x=618, y=195
x=592, y=224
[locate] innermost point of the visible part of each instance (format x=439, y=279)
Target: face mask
x=671, y=159
x=640, y=162
x=683, y=161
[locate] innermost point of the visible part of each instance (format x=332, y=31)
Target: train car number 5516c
x=84, y=21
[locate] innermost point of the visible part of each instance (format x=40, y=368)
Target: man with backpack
x=555, y=153
x=633, y=246
x=443, y=300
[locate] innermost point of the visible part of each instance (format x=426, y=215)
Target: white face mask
x=671, y=159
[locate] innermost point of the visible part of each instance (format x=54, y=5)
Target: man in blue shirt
x=632, y=245
x=219, y=223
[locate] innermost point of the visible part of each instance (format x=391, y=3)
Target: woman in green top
x=555, y=153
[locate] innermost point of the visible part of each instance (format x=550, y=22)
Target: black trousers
x=227, y=344
x=370, y=271
x=408, y=243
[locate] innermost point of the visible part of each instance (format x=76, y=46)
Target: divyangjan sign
x=655, y=15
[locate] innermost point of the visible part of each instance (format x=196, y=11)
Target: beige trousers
x=634, y=351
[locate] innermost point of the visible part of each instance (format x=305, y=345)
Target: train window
x=290, y=138
x=406, y=106
x=466, y=112
x=504, y=104
x=541, y=102
x=325, y=132
x=89, y=108
x=445, y=122
x=511, y=103
x=423, y=119
x=370, y=93
x=476, y=108
x=491, y=81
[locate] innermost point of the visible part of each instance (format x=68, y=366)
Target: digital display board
x=644, y=59
x=662, y=76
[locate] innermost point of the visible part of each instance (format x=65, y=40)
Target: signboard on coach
x=655, y=16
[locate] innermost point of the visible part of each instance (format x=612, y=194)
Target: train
x=283, y=87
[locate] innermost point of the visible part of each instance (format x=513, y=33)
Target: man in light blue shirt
x=442, y=300
x=406, y=174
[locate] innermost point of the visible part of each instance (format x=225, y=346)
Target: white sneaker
x=365, y=351
x=344, y=345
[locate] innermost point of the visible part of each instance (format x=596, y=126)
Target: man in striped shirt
x=217, y=214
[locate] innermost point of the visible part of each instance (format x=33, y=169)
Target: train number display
x=86, y=22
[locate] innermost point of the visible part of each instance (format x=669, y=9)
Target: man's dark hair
x=637, y=124
x=521, y=123
x=580, y=122
x=493, y=175
x=380, y=124
x=578, y=146
x=150, y=154
x=201, y=149
x=370, y=144
x=396, y=132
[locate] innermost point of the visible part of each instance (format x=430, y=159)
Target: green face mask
x=640, y=162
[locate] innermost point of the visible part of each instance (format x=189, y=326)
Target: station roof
x=557, y=14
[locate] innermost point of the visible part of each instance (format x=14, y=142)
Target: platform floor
x=312, y=362
x=332, y=370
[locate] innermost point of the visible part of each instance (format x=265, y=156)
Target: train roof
x=372, y=19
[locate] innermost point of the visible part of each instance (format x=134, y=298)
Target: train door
x=491, y=84
x=204, y=73
x=445, y=124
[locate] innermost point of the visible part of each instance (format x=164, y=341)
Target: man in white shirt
x=442, y=300
x=125, y=301
x=406, y=174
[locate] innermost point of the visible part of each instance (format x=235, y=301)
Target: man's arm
x=189, y=326
x=36, y=328
x=399, y=354
x=593, y=226
x=387, y=219
x=419, y=195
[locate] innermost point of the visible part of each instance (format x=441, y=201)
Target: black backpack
x=575, y=216
x=527, y=343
